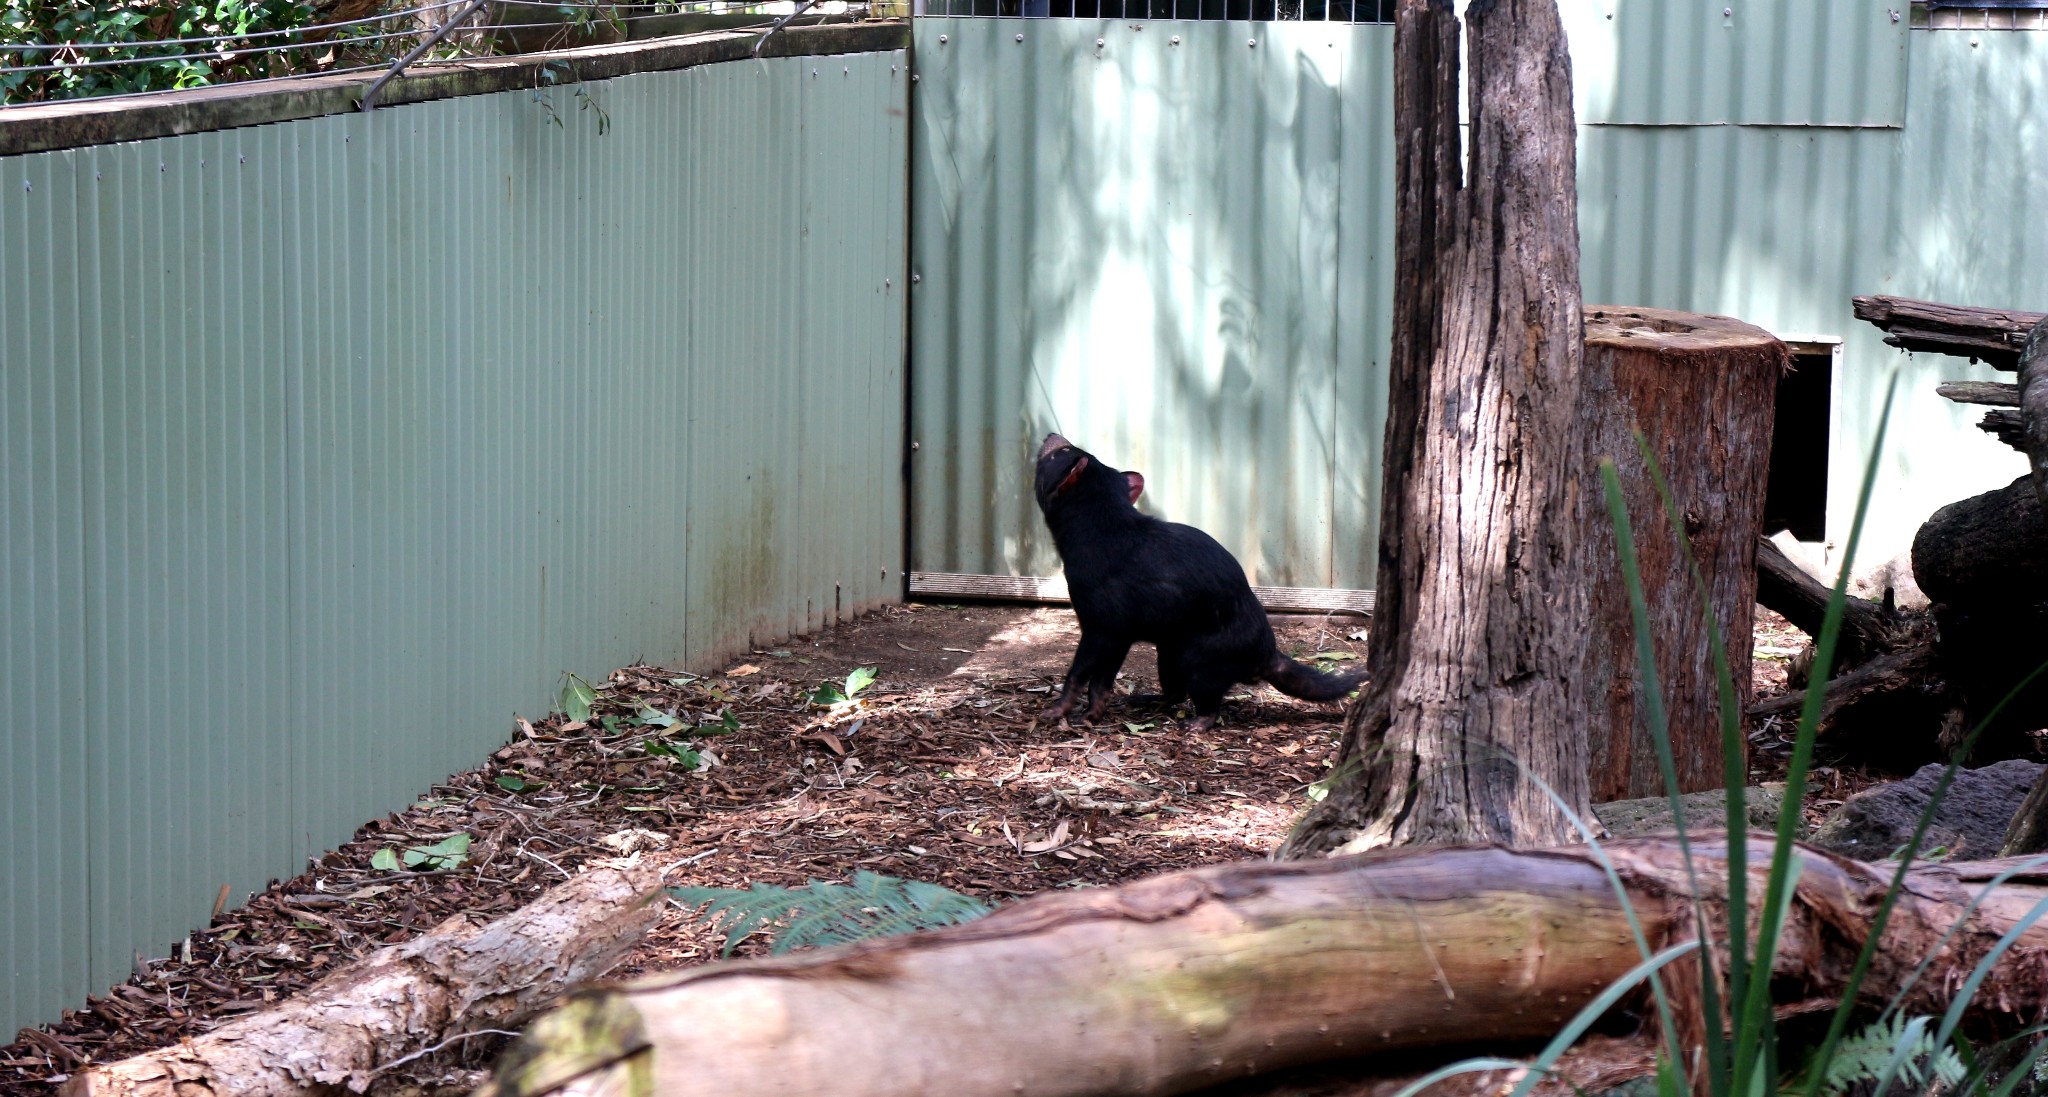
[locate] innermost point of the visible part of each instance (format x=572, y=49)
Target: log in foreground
x=458, y=977
x=1190, y=979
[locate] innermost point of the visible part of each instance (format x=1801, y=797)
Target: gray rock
x=1703, y=811
x=1971, y=822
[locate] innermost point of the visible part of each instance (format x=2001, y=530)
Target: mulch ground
x=940, y=770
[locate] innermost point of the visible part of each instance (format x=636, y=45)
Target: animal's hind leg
x=1173, y=678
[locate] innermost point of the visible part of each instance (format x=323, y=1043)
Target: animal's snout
x=1053, y=444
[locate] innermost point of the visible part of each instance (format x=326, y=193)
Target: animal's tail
x=1308, y=683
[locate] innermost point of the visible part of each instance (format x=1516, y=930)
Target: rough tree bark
x=1701, y=390
x=1479, y=634
x=1186, y=980
x=458, y=978
x=2029, y=833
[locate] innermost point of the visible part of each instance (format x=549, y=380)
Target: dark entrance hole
x=1797, y=495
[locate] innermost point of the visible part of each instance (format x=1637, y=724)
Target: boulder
x=1971, y=821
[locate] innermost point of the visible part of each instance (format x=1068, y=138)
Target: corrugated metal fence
x=329, y=445
x=1174, y=246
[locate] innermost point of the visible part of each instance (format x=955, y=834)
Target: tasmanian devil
x=1134, y=578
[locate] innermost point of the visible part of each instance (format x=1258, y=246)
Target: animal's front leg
x=1096, y=661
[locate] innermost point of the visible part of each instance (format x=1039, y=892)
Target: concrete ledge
x=74, y=123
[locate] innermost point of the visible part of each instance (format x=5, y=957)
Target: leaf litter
x=907, y=743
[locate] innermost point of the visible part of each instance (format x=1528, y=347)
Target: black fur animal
x=1135, y=579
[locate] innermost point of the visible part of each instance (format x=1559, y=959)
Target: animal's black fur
x=1136, y=579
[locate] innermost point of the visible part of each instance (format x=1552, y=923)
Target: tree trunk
x=1668, y=374
x=1477, y=656
x=1185, y=980
x=399, y=999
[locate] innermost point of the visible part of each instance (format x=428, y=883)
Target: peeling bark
x=1194, y=978
x=458, y=977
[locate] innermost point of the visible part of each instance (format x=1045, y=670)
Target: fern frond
x=821, y=913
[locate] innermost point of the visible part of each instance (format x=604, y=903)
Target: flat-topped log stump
x=1702, y=390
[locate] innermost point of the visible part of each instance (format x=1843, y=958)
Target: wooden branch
x=2033, y=402
x=2006, y=425
x=1786, y=589
x=457, y=978
x=1990, y=393
x=1990, y=335
x=2029, y=830
x=1893, y=672
x=1185, y=980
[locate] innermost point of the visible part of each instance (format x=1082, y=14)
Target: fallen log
x=1193, y=978
x=1993, y=336
x=459, y=977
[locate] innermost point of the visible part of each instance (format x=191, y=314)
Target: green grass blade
x=1734, y=771
x=1592, y=1011
x=1659, y=722
x=1755, y=1025
x=1838, y=1025
x=1666, y=1022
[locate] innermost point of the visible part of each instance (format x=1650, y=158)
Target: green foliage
x=577, y=698
x=1742, y=1056
x=1869, y=1055
x=831, y=693
x=822, y=913
x=108, y=30
x=448, y=853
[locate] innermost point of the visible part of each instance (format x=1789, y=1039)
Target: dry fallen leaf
x=742, y=670
x=1057, y=838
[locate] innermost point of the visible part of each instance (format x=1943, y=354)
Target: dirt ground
x=940, y=770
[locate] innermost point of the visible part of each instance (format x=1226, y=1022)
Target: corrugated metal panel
x=1107, y=241
x=1737, y=62
x=329, y=445
x=1170, y=248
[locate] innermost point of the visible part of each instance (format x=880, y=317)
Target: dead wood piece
x=1990, y=335
x=2006, y=425
x=1786, y=589
x=2029, y=831
x=1234, y=971
x=1896, y=678
x=459, y=977
x=2033, y=401
x=1988, y=393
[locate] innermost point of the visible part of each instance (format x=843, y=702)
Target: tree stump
x=1701, y=389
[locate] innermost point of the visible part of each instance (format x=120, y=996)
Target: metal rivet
x=886, y=283
x=814, y=72
x=1174, y=41
x=1251, y=41
x=913, y=447
x=942, y=39
x=1894, y=13
x=1020, y=38
x=1727, y=11
x=848, y=71
x=916, y=278
x=241, y=158
x=1098, y=43
x=913, y=78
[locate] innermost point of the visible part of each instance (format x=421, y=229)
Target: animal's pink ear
x=1137, y=483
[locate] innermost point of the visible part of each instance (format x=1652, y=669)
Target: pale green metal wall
x=330, y=445
x=1179, y=253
